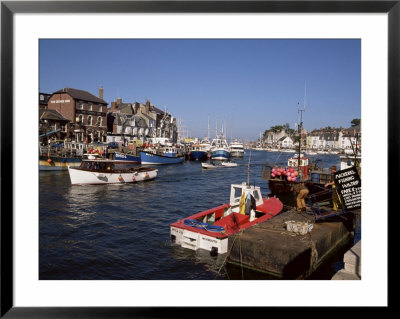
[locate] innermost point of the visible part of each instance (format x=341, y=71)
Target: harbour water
x=121, y=232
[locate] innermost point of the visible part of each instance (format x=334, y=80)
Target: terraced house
x=138, y=121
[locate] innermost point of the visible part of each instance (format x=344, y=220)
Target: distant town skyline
x=247, y=85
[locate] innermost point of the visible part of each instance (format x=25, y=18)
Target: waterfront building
x=52, y=120
x=139, y=121
x=87, y=114
x=285, y=142
x=43, y=99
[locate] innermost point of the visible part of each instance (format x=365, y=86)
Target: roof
x=51, y=115
x=81, y=95
x=124, y=108
x=43, y=98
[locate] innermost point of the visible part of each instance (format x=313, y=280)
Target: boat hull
x=57, y=163
x=220, y=154
x=82, y=177
x=126, y=158
x=237, y=153
x=218, y=225
x=147, y=158
x=193, y=240
x=198, y=155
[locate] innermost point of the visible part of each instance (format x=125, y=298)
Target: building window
x=100, y=108
x=99, y=120
x=80, y=105
x=89, y=120
x=90, y=107
x=80, y=119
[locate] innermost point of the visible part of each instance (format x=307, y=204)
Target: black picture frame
x=9, y=8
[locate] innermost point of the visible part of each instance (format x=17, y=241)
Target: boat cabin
x=294, y=161
x=237, y=191
x=97, y=165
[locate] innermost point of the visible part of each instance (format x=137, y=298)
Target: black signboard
x=348, y=184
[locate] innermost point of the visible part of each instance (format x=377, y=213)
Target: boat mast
x=300, y=128
x=208, y=128
x=248, y=171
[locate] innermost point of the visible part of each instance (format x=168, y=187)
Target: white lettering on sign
x=61, y=101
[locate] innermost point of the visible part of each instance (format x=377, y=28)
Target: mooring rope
x=229, y=252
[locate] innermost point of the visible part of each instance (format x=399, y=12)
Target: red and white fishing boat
x=211, y=229
x=103, y=171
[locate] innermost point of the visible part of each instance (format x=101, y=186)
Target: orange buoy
x=49, y=160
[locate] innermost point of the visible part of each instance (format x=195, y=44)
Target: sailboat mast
x=208, y=128
x=248, y=170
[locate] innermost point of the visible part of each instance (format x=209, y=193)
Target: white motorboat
x=236, y=149
x=208, y=165
x=103, y=171
x=229, y=164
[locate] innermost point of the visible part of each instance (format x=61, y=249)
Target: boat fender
x=133, y=177
x=147, y=175
x=214, y=251
x=120, y=178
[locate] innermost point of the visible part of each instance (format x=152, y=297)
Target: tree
x=355, y=122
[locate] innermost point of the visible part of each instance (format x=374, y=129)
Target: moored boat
x=229, y=164
x=219, y=148
x=236, y=149
x=58, y=163
x=208, y=165
x=211, y=229
x=148, y=158
x=299, y=169
x=197, y=152
x=125, y=158
x=103, y=171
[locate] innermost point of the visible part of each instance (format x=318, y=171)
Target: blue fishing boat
x=220, y=148
x=148, y=158
x=198, y=153
x=123, y=158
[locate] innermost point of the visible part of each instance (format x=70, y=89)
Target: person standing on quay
x=302, y=191
x=331, y=184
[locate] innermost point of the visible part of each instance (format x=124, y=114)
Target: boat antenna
x=248, y=171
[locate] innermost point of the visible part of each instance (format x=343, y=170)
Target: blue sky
x=250, y=85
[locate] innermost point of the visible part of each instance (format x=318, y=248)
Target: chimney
x=101, y=91
x=119, y=100
x=147, y=106
x=112, y=106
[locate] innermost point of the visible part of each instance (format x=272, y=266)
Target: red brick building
x=87, y=113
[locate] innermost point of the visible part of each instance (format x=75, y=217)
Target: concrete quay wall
x=268, y=247
x=352, y=264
